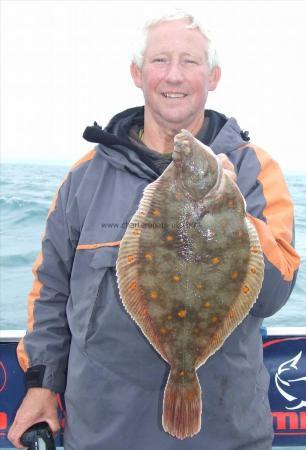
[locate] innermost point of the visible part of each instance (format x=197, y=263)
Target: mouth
x=174, y=94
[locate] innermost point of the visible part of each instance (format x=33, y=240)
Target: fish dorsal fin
x=129, y=266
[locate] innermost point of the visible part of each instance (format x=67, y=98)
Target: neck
x=160, y=137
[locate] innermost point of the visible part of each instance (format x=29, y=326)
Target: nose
x=175, y=72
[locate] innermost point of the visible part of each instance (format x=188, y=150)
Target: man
x=80, y=340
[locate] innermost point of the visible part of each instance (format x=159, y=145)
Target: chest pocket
x=105, y=257
x=106, y=291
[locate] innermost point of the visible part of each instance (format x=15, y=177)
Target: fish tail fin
x=182, y=406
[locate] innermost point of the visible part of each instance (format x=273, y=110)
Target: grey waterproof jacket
x=81, y=341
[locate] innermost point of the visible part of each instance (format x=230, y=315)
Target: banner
x=284, y=357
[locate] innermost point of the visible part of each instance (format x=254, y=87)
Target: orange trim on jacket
x=37, y=285
x=98, y=245
x=276, y=236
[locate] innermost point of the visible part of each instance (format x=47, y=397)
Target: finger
x=53, y=424
x=18, y=428
x=226, y=163
x=15, y=433
x=227, y=166
x=231, y=174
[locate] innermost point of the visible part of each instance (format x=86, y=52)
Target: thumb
x=53, y=423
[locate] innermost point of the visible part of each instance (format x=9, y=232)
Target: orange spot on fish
x=234, y=275
x=246, y=289
x=231, y=314
x=156, y=213
x=163, y=330
x=148, y=256
x=130, y=258
x=169, y=238
x=176, y=278
x=136, y=232
x=182, y=313
x=214, y=319
x=153, y=295
x=254, y=249
x=133, y=285
x=182, y=373
x=215, y=261
x=253, y=270
x=190, y=396
x=200, y=286
x=206, y=305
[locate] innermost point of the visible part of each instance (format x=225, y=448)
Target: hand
x=39, y=405
x=228, y=167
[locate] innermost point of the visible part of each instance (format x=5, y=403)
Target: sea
x=26, y=192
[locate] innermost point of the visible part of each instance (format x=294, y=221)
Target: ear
x=214, y=77
x=136, y=75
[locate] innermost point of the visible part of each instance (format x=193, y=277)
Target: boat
x=284, y=350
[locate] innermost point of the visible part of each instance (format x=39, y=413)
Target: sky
x=65, y=64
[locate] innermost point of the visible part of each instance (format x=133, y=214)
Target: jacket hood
x=115, y=145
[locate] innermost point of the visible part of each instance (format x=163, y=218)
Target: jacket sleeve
x=44, y=350
x=270, y=209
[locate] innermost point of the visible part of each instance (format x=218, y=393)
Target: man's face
x=175, y=77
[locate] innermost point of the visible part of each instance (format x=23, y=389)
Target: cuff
x=46, y=377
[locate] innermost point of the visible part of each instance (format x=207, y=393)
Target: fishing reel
x=38, y=437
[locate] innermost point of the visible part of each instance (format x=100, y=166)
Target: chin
x=176, y=119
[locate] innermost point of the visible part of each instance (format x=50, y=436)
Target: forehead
x=170, y=36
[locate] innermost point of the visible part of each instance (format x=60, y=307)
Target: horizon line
x=69, y=164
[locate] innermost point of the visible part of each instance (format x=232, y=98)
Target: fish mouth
x=174, y=95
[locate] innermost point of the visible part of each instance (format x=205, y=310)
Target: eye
x=159, y=60
x=190, y=61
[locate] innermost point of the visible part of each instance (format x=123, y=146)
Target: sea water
x=25, y=196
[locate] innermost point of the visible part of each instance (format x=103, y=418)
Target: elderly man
x=80, y=339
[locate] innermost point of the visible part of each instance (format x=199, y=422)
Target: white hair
x=173, y=15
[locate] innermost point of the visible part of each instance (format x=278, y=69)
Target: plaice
x=189, y=269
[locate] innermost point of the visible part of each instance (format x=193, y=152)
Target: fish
x=189, y=269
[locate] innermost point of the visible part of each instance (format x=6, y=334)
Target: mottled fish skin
x=194, y=256
x=192, y=268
